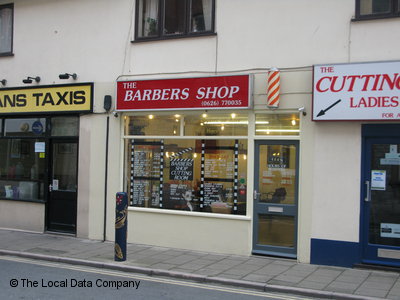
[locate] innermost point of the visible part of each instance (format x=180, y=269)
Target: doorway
x=62, y=187
x=380, y=218
x=275, y=198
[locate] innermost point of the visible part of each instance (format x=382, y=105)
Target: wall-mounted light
x=3, y=81
x=30, y=79
x=67, y=75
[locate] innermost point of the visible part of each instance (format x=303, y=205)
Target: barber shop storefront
x=202, y=168
x=39, y=143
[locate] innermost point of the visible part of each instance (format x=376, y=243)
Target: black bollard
x=121, y=224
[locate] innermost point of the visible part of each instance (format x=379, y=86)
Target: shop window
x=182, y=173
x=23, y=146
x=65, y=126
x=187, y=174
x=22, y=169
x=371, y=9
x=6, y=29
x=277, y=124
x=228, y=124
x=159, y=19
x=25, y=127
x=158, y=125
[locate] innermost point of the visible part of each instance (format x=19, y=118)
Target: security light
x=67, y=75
x=30, y=79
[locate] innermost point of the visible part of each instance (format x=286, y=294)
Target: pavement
x=268, y=274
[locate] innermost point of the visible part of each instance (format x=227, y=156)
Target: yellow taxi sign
x=47, y=99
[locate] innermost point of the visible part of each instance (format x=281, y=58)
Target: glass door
x=381, y=201
x=275, y=198
x=62, y=199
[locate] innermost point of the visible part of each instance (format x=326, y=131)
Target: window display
x=192, y=175
x=197, y=161
x=22, y=169
x=185, y=173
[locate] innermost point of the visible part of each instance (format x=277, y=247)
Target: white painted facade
x=93, y=38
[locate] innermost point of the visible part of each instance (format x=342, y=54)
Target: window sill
x=23, y=200
x=174, y=37
x=374, y=17
x=189, y=213
x=6, y=54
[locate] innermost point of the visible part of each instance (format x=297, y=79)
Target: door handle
x=256, y=195
x=50, y=188
x=368, y=195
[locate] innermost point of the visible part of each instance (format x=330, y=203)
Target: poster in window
x=147, y=163
x=145, y=193
x=141, y=192
x=219, y=165
x=181, y=169
x=181, y=197
x=278, y=157
x=215, y=192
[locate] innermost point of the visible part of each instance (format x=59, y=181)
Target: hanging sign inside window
x=184, y=93
x=390, y=230
x=391, y=158
x=378, y=180
x=359, y=91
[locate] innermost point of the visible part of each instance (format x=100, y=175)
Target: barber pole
x=274, y=83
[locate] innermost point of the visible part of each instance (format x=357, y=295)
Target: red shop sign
x=184, y=93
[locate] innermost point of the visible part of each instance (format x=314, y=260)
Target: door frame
x=382, y=133
x=49, y=173
x=288, y=252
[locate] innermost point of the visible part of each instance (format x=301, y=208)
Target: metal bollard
x=121, y=224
